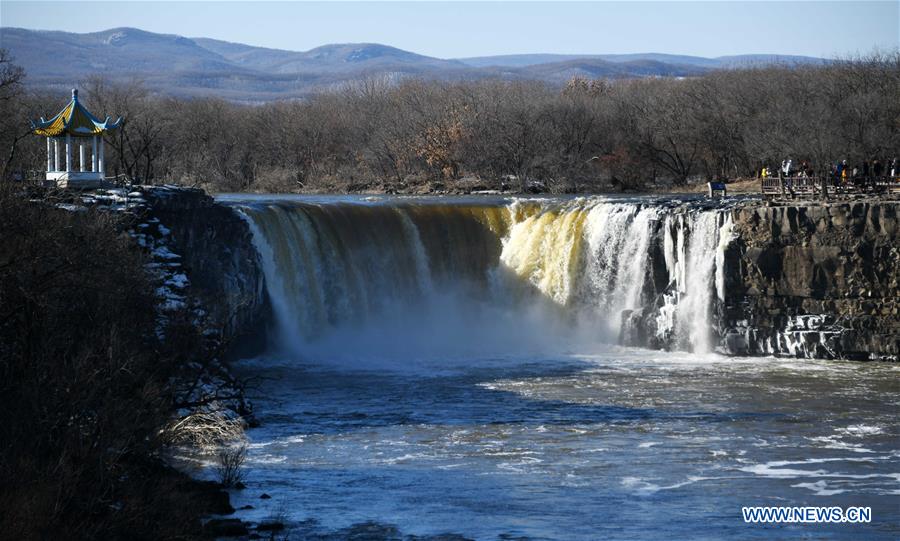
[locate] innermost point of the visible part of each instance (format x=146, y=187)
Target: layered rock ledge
x=814, y=280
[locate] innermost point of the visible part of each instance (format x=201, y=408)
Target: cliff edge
x=217, y=252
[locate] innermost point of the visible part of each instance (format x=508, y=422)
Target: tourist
x=877, y=168
x=786, y=166
x=805, y=169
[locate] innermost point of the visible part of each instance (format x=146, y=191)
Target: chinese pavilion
x=75, y=126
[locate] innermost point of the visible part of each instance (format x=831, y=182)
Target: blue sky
x=460, y=29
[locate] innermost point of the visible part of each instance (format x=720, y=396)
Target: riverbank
x=477, y=186
x=101, y=348
x=740, y=186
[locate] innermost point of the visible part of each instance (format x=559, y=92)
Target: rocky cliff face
x=218, y=256
x=813, y=280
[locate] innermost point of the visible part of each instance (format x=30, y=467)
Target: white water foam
x=564, y=273
x=820, y=488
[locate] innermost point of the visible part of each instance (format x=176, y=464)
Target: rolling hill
x=181, y=66
x=524, y=60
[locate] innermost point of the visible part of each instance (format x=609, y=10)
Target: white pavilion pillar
x=49, y=155
x=94, y=154
x=102, y=165
x=81, y=157
x=56, y=153
x=68, y=153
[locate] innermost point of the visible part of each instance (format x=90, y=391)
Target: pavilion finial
x=74, y=93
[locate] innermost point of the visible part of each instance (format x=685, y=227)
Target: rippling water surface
x=621, y=444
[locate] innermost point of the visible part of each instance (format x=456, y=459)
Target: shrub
x=231, y=465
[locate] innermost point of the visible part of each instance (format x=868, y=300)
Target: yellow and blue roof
x=74, y=120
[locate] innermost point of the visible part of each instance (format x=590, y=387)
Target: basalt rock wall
x=218, y=255
x=813, y=280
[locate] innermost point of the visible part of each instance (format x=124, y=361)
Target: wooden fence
x=825, y=187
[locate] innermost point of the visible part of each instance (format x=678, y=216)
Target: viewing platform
x=825, y=187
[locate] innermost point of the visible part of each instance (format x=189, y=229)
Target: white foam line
x=780, y=463
x=820, y=488
x=650, y=488
x=766, y=470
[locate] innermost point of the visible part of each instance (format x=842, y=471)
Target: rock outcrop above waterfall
x=814, y=280
x=218, y=256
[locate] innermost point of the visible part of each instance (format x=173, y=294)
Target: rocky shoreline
x=205, y=275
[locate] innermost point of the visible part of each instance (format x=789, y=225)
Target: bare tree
x=11, y=77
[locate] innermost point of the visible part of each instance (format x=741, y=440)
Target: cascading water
x=495, y=274
x=619, y=239
x=695, y=262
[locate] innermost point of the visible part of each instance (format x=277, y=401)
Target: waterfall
x=696, y=286
x=502, y=273
x=619, y=238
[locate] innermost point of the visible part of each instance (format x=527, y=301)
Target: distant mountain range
x=183, y=66
x=524, y=60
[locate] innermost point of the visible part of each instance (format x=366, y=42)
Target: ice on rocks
x=71, y=208
x=179, y=280
x=164, y=253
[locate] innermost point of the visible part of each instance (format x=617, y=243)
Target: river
x=450, y=367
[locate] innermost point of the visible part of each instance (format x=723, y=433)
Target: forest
x=420, y=136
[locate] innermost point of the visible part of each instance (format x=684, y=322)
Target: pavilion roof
x=75, y=120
